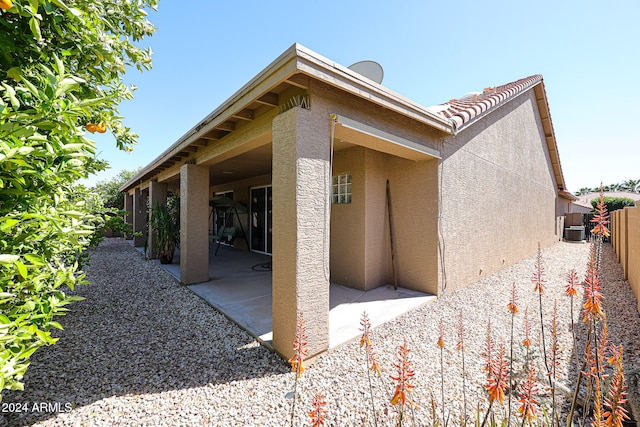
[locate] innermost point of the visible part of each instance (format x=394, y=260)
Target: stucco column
x=128, y=207
x=139, y=220
x=300, y=273
x=194, y=224
x=157, y=194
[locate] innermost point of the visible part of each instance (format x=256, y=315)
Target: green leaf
x=8, y=223
x=15, y=73
x=6, y=259
x=29, y=306
x=66, y=85
x=11, y=93
x=59, y=65
x=34, y=24
x=68, y=148
x=22, y=270
x=34, y=6
x=35, y=260
x=56, y=325
x=90, y=102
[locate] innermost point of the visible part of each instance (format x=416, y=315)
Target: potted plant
x=165, y=226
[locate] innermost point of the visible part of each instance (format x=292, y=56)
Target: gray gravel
x=143, y=350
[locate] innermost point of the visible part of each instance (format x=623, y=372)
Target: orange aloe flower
x=616, y=414
x=513, y=302
x=538, y=276
x=440, y=342
x=596, y=417
x=319, y=412
x=365, y=328
x=374, y=365
x=601, y=218
x=605, y=346
x=528, y=392
x=299, y=347
x=526, y=329
x=498, y=378
x=403, y=379
x=365, y=340
x=571, y=288
x=592, y=296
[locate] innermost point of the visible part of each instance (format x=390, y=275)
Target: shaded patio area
x=240, y=287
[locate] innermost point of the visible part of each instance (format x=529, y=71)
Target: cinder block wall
x=626, y=229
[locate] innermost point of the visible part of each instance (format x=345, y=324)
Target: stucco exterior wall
x=564, y=206
x=300, y=228
x=498, y=193
x=414, y=199
x=360, y=244
x=348, y=222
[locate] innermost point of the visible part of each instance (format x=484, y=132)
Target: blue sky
x=588, y=53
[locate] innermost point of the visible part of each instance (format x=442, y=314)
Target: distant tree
x=109, y=189
x=583, y=190
x=614, y=203
x=632, y=185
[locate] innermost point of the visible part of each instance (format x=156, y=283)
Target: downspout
x=333, y=119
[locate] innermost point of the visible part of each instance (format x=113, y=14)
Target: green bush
x=61, y=69
x=614, y=203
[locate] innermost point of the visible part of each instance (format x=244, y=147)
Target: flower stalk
x=370, y=355
x=299, y=353
x=404, y=385
x=460, y=348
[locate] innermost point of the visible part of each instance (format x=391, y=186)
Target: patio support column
x=128, y=207
x=194, y=224
x=139, y=224
x=157, y=194
x=300, y=179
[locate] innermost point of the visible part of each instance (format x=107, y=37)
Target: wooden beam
x=269, y=98
x=202, y=142
x=214, y=135
x=226, y=126
x=245, y=114
x=299, y=80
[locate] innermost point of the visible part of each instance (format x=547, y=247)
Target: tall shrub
x=614, y=203
x=61, y=68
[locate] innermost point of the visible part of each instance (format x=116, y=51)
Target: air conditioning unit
x=575, y=233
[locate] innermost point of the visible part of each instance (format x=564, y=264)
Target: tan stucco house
x=330, y=163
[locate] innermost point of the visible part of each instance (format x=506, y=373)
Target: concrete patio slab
x=240, y=287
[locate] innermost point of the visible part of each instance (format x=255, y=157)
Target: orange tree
x=62, y=64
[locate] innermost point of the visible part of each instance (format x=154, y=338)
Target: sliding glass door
x=261, y=200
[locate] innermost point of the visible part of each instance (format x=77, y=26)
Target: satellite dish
x=370, y=69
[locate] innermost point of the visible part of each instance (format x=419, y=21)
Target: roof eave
x=549, y=134
x=298, y=59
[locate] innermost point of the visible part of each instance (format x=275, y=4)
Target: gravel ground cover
x=142, y=350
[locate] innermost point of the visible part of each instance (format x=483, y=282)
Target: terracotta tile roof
x=565, y=194
x=466, y=109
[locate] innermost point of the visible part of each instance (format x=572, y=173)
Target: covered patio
x=240, y=286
